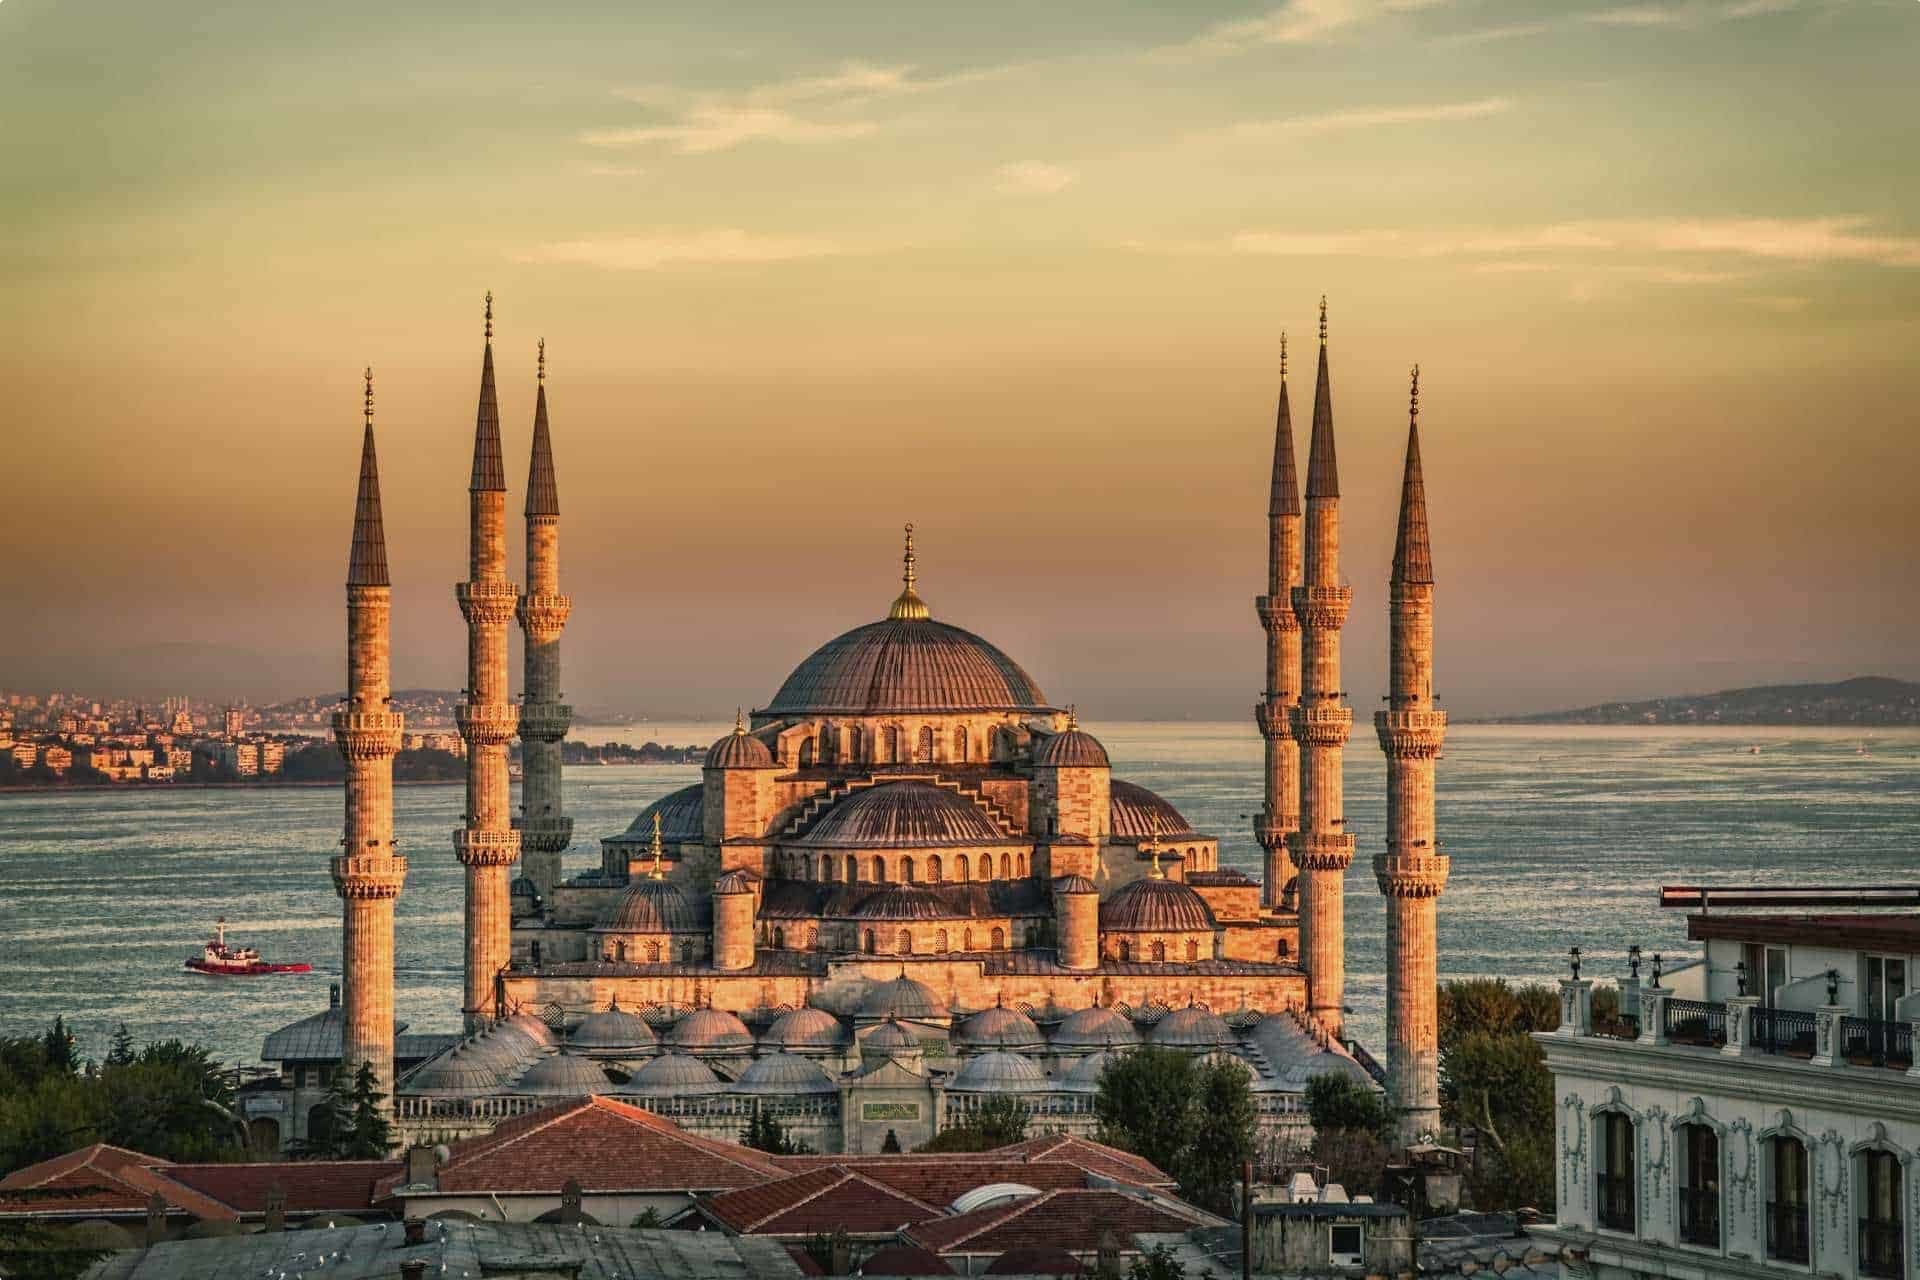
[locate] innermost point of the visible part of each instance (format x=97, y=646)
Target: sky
x=1015, y=273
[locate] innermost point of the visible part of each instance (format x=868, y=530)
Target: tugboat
x=235, y=962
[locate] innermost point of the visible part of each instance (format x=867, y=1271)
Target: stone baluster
x=1739, y=1025
x=1576, y=1007
x=1653, y=1015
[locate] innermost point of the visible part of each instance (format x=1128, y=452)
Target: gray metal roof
x=315, y=1038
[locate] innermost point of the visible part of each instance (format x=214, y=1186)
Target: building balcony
x=1787, y=1231
x=1880, y=1252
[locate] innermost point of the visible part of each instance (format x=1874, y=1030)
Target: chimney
x=417, y=1227
x=421, y=1167
x=333, y=995
x=413, y=1269
x=156, y=1218
x=276, y=1217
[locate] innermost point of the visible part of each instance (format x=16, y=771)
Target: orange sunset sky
x=1016, y=273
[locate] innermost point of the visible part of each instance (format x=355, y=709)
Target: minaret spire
x=1280, y=813
x=367, y=873
x=1412, y=872
x=545, y=829
x=908, y=606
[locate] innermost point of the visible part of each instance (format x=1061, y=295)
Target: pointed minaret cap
x=367, y=562
x=908, y=606
x=1285, y=499
x=1323, y=472
x=543, y=495
x=1412, y=555
x=489, y=472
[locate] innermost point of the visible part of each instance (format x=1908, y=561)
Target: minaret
x=1412, y=871
x=1321, y=848
x=368, y=874
x=487, y=844
x=1280, y=816
x=545, y=830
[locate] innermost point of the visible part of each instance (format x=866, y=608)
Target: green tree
x=329, y=1124
x=122, y=1051
x=369, y=1136
x=1145, y=1104
x=1337, y=1101
x=647, y=1220
x=1223, y=1135
x=764, y=1133
x=1467, y=1005
x=1498, y=1082
x=998, y=1122
x=1156, y=1263
x=60, y=1049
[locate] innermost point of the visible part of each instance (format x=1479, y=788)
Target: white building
x=1731, y=1134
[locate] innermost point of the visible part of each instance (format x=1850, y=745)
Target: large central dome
x=906, y=664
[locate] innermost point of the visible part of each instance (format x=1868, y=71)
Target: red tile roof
x=1070, y=1219
x=819, y=1200
x=1058, y=1150
x=1094, y=1157
x=605, y=1145
x=904, y=1260
x=100, y=1179
x=310, y=1186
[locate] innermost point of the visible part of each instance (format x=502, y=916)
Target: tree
x=1355, y=1158
x=59, y=1042
x=122, y=1051
x=647, y=1220
x=1498, y=1082
x=1222, y=1138
x=1156, y=1263
x=1145, y=1104
x=1467, y=1005
x=998, y=1122
x=764, y=1133
x=1337, y=1101
x=369, y=1136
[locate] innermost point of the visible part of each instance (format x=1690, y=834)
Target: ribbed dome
x=784, y=1073
x=1095, y=1028
x=908, y=664
x=807, y=1028
x=1000, y=1073
x=734, y=881
x=902, y=997
x=1075, y=884
x=1001, y=1028
x=709, y=1029
x=1073, y=749
x=1191, y=1028
x=738, y=750
x=651, y=906
x=529, y=1028
x=613, y=1029
x=1139, y=814
x=903, y=902
x=1086, y=1073
x=460, y=1072
x=888, y=1039
x=903, y=815
x=1153, y=905
x=673, y=1073
x=562, y=1075
x=522, y=887
x=681, y=818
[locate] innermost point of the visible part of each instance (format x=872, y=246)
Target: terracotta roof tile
x=820, y=1200
x=310, y=1186
x=904, y=1260
x=1070, y=1219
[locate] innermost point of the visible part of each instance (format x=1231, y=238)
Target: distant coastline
x=1865, y=702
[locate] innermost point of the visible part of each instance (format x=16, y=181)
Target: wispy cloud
x=654, y=251
x=717, y=128
x=1682, y=15
x=1363, y=118
x=615, y=171
x=1295, y=22
x=1033, y=177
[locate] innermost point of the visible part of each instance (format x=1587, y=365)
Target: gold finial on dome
x=658, y=849
x=1283, y=355
x=739, y=723
x=541, y=376
x=1413, y=401
x=489, y=315
x=1155, y=870
x=368, y=410
x=1073, y=718
x=1323, y=319
x=908, y=606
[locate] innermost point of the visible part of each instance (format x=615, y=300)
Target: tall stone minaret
x=1321, y=848
x=1412, y=871
x=1280, y=815
x=368, y=874
x=545, y=829
x=487, y=844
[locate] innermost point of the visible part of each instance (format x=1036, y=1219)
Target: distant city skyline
x=1017, y=277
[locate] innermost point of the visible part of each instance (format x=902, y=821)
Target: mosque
x=905, y=884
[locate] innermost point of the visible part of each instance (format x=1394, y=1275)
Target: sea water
x=1558, y=836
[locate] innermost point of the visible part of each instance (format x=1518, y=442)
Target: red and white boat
x=235, y=962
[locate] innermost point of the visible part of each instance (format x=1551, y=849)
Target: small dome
x=532, y=1028
x=1138, y=814
x=562, y=1075
x=888, y=1039
x=735, y=881
x=1192, y=1028
x=806, y=1028
x=460, y=1072
x=1075, y=884
x=522, y=887
x=1095, y=1028
x=903, y=815
x=1001, y=1028
x=738, y=750
x=784, y=1073
x=1086, y=1073
x=1000, y=1073
x=710, y=1029
x=1153, y=905
x=682, y=818
x=903, y=902
x=613, y=1028
x=651, y=906
x=1073, y=749
x=907, y=664
x=673, y=1073
x=902, y=997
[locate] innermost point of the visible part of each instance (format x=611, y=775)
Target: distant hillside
x=1863, y=700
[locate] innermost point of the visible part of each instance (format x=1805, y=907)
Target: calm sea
x=1558, y=836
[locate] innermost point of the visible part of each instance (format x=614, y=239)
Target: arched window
x=829, y=744
x=1159, y=951
x=879, y=870
x=1023, y=864
x=940, y=942
x=1006, y=867
x=806, y=753
x=1193, y=950
x=1880, y=1213
x=933, y=869
x=873, y=945
x=999, y=939
x=893, y=744
x=806, y=866
x=826, y=866
x=960, y=743
x=1614, y=1169
x=1788, y=1195
x=686, y=951
x=960, y=868
x=653, y=953
x=620, y=952
x=906, y=871
x=853, y=744
x=853, y=869
x=925, y=754
x=779, y=939
x=1126, y=951
x=1699, y=1185
x=966, y=940
x=905, y=945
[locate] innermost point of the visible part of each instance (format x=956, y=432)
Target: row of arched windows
x=902, y=942
x=901, y=868
x=648, y=953
x=1157, y=950
x=892, y=744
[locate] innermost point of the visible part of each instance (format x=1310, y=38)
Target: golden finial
x=1323, y=319
x=1073, y=718
x=658, y=849
x=489, y=315
x=1283, y=355
x=541, y=374
x=908, y=605
x=1413, y=402
x=739, y=723
x=1156, y=872
x=368, y=409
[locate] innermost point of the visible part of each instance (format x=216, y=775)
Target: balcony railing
x=1786, y=1231
x=1700, y=1217
x=1616, y=1201
x=1624, y=1026
x=1696, y=1022
x=1880, y=1253
x=1788, y=1031
x=1869, y=1042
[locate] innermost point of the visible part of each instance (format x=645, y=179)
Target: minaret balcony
x=544, y=721
x=1321, y=850
x=545, y=833
x=368, y=876
x=543, y=616
x=486, y=848
x=1323, y=725
x=367, y=735
x=1322, y=608
x=1411, y=733
x=1411, y=875
x=1274, y=718
x=489, y=724
x=487, y=603
x=1276, y=613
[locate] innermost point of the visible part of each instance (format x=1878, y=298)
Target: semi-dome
x=710, y=1029
x=1001, y=1028
x=1000, y=1072
x=460, y=1072
x=738, y=750
x=651, y=906
x=1073, y=749
x=1192, y=1028
x=1095, y=1028
x=682, y=818
x=529, y=1027
x=734, y=881
x=902, y=997
x=806, y=1028
x=1139, y=814
x=784, y=1073
x=903, y=815
x=1075, y=884
x=1154, y=905
x=1086, y=1073
x=563, y=1075
x=906, y=664
x=613, y=1029
x=903, y=902
x=673, y=1073
x=889, y=1038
